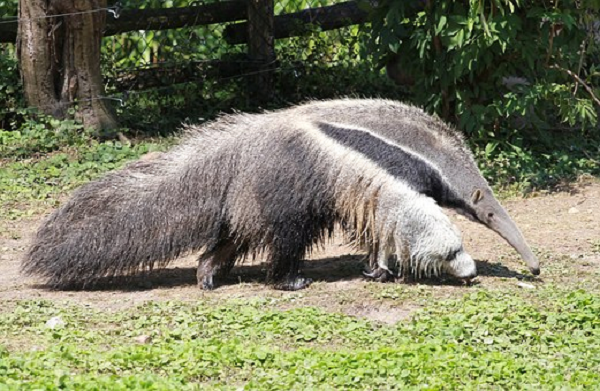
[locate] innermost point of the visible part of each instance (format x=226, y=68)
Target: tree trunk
x=60, y=58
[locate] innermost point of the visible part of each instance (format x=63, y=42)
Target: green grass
x=45, y=160
x=548, y=339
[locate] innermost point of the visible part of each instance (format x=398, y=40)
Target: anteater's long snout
x=505, y=227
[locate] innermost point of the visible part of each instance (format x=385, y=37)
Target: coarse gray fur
x=434, y=141
x=272, y=183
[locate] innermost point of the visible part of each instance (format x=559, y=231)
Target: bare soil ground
x=563, y=228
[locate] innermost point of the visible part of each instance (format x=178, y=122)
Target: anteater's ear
x=476, y=196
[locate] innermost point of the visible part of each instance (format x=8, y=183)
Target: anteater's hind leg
x=287, y=252
x=286, y=274
x=217, y=261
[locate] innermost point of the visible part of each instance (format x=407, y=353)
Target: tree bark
x=58, y=45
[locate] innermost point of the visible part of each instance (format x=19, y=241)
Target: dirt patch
x=382, y=314
x=563, y=228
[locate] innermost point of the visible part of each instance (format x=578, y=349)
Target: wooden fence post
x=261, y=49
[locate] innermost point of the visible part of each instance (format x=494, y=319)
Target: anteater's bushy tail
x=137, y=218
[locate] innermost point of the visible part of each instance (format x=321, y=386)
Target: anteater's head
x=440, y=249
x=433, y=244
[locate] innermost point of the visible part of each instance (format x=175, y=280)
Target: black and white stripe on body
x=417, y=172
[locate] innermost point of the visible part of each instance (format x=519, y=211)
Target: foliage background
x=519, y=78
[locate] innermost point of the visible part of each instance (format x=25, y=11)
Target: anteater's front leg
x=380, y=274
x=379, y=260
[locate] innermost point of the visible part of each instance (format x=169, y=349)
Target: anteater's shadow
x=487, y=269
x=343, y=268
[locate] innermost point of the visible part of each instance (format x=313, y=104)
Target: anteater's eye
x=490, y=215
x=452, y=255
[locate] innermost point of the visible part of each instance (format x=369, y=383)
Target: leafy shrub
x=494, y=66
x=512, y=165
x=8, y=8
x=329, y=64
x=135, y=49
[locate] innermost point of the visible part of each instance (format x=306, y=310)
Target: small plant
x=510, y=165
x=40, y=135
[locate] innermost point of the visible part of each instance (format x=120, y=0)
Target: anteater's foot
x=293, y=283
x=206, y=282
x=380, y=275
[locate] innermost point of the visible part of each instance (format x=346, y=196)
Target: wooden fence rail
x=300, y=23
x=288, y=25
x=258, y=27
x=155, y=19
